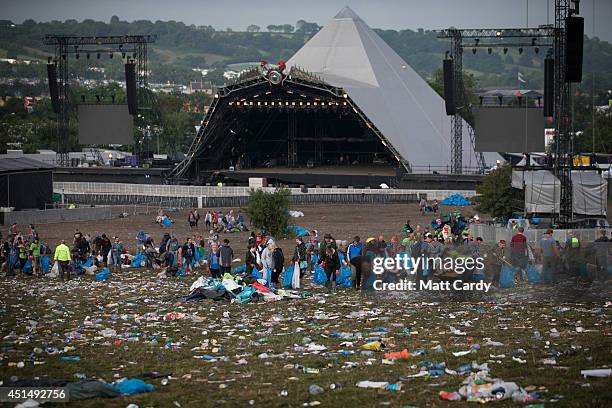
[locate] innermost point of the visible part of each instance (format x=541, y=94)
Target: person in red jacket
x=518, y=252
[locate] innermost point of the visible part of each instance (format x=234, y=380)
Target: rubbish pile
x=449, y=224
x=241, y=289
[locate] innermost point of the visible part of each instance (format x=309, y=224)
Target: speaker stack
x=53, y=89
x=130, y=87
x=574, y=38
x=449, y=87
x=549, y=86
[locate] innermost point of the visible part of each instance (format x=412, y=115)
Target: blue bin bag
x=506, y=277
x=344, y=277
x=180, y=272
x=269, y=273
x=533, y=275
x=287, y=277
x=27, y=267
x=246, y=295
x=137, y=260
x=133, y=386
x=102, y=275
x=256, y=274
x=166, y=222
x=319, y=277
x=239, y=269
x=45, y=262
x=314, y=259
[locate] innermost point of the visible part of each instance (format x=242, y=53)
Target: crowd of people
x=213, y=255
x=218, y=221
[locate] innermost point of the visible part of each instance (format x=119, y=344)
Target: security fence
x=491, y=233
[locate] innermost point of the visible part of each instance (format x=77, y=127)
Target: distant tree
x=304, y=27
x=253, y=28
x=287, y=28
x=274, y=28
x=216, y=76
x=269, y=210
x=114, y=20
x=229, y=30
x=494, y=194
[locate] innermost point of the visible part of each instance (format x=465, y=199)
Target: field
x=219, y=354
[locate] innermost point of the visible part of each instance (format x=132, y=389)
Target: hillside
x=180, y=47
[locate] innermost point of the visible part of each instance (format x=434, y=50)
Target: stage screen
x=504, y=129
x=105, y=124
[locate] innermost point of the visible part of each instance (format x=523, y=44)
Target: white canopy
x=542, y=191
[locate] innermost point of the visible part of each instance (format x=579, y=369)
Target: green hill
x=180, y=47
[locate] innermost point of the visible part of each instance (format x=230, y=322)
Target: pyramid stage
x=344, y=110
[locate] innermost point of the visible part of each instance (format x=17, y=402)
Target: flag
x=520, y=78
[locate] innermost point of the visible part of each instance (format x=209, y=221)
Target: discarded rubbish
x=372, y=384
x=600, y=372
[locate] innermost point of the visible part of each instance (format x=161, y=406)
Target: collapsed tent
x=347, y=53
x=542, y=191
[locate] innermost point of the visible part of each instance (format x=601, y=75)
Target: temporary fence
x=492, y=233
x=147, y=204
x=56, y=215
x=208, y=193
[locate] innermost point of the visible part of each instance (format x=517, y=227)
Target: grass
x=136, y=302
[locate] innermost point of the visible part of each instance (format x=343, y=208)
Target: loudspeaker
x=574, y=37
x=549, y=86
x=449, y=87
x=53, y=90
x=130, y=88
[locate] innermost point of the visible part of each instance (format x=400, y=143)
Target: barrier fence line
x=150, y=202
x=215, y=191
x=491, y=233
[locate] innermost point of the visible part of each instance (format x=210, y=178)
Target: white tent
x=408, y=112
x=542, y=191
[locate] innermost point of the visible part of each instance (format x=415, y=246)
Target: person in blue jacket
x=213, y=262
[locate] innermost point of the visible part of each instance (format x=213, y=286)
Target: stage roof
x=347, y=53
x=15, y=164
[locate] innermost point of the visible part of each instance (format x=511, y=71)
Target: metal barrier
x=56, y=215
x=232, y=201
x=491, y=233
x=173, y=191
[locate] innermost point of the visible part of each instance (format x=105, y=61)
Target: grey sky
x=237, y=14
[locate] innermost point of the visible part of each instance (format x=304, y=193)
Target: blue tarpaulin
x=456, y=200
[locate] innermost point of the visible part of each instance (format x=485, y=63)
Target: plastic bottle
x=314, y=389
x=504, y=390
x=394, y=387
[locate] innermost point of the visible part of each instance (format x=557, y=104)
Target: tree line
x=180, y=47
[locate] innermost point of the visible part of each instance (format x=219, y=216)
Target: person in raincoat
x=331, y=265
x=299, y=255
x=278, y=264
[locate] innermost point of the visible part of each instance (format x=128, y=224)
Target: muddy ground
x=136, y=324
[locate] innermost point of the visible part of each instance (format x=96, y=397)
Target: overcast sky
x=237, y=14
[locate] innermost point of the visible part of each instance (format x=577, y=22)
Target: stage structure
x=132, y=48
x=376, y=110
x=274, y=116
x=556, y=39
x=487, y=38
